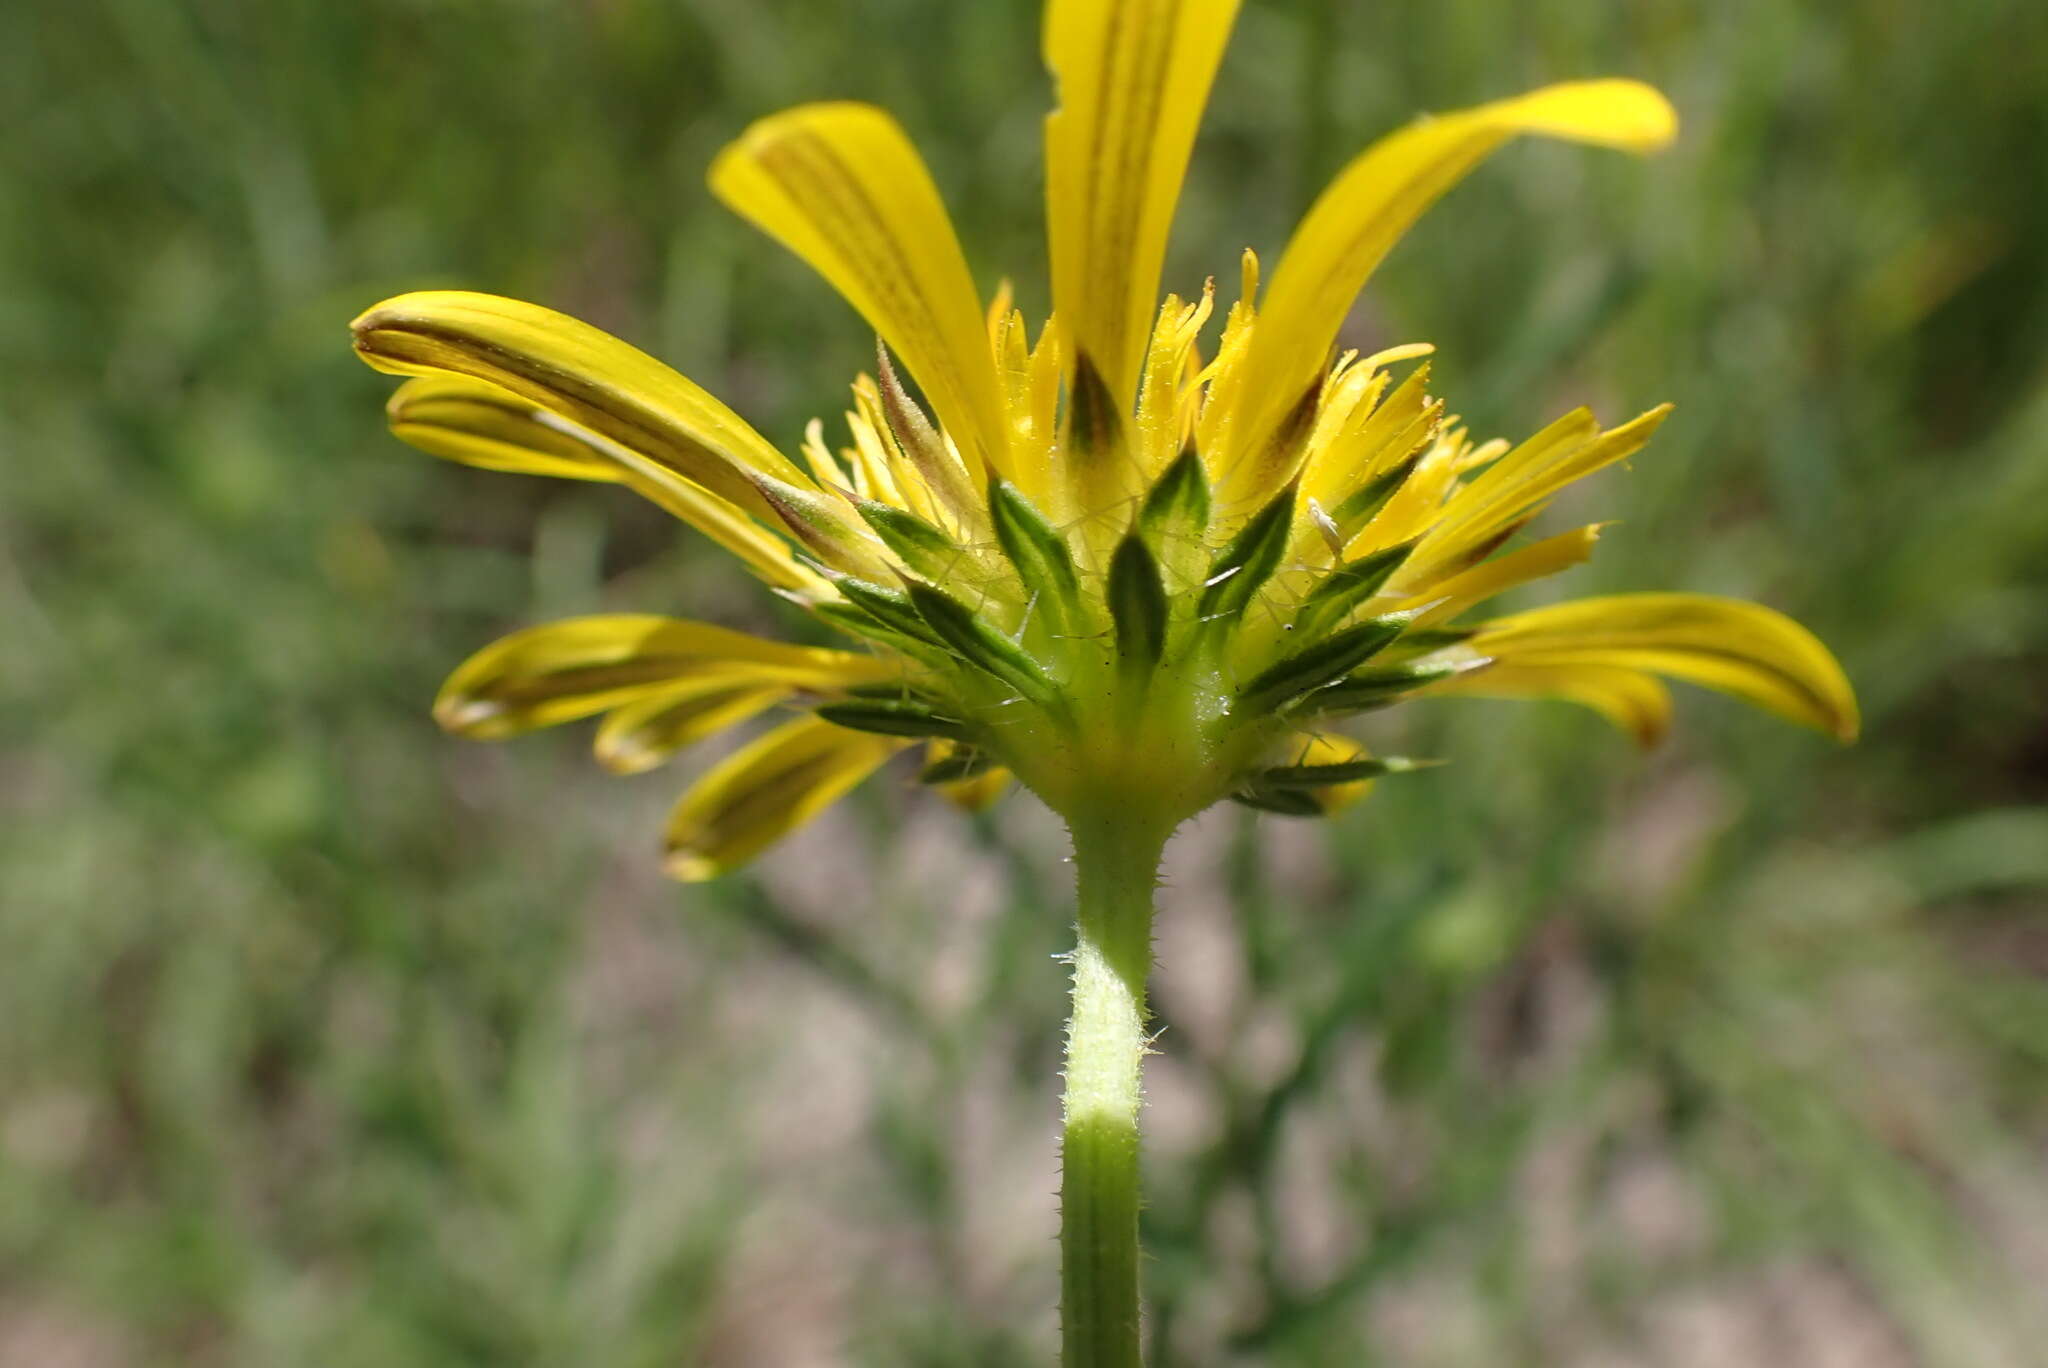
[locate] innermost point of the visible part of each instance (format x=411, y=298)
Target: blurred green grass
x=330, y=1040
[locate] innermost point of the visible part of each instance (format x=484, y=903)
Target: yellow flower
x=1139, y=578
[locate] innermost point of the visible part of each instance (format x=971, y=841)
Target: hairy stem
x=1116, y=863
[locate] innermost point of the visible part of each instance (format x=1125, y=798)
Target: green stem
x=1116, y=863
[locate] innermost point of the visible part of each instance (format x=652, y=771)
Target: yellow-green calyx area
x=1145, y=648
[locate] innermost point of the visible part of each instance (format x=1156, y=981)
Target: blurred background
x=330, y=1040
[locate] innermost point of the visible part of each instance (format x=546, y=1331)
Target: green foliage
x=332, y=1040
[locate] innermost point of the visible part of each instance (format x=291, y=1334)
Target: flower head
x=1136, y=575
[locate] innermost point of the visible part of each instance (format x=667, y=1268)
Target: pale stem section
x=1116, y=864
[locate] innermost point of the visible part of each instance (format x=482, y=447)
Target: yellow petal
x=482, y=425
x=825, y=467
x=1364, y=212
x=1347, y=447
x=1633, y=701
x=1328, y=748
x=997, y=319
x=841, y=186
x=1752, y=652
x=978, y=794
x=1524, y=478
x=766, y=790
x=1418, y=502
x=1165, y=398
x=1037, y=474
x=1563, y=436
x=1030, y=471
x=1376, y=437
x=579, y=666
x=1132, y=78
x=1448, y=598
x=636, y=737
x=580, y=372
x=881, y=456
x=974, y=794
